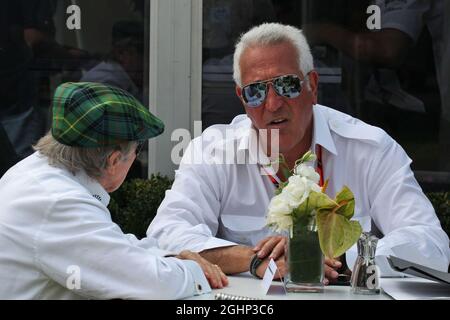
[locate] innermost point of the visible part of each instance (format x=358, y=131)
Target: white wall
x=175, y=73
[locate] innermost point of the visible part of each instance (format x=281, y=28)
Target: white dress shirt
x=57, y=241
x=212, y=205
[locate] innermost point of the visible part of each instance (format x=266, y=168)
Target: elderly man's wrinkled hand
x=213, y=273
x=272, y=247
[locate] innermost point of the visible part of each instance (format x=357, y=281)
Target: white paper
x=268, y=276
x=415, y=288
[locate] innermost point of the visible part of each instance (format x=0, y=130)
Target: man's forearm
x=233, y=259
x=385, y=48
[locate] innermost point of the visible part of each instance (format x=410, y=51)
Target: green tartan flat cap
x=87, y=114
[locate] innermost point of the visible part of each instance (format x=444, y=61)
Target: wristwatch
x=254, y=264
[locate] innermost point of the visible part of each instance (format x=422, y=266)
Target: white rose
x=307, y=172
x=296, y=186
x=297, y=190
x=279, y=206
x=279, y=213
x=315, y=187
x=280, y=222
x=293, y=200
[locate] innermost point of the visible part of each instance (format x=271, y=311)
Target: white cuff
x=212, y=243
x=201, y=285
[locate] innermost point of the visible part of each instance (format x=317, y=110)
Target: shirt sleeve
x=149, y=244
x=403, y=213
x=405, y=15
x=78, y=234
x=188, y=218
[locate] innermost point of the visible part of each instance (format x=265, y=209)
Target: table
x=246, y=285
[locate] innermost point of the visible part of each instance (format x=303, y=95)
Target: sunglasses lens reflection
x=288, y=86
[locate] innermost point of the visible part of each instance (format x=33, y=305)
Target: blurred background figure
x=38, y=51
x=124, y=66
x=26, y=45
x=223, y=21
x=400, y=68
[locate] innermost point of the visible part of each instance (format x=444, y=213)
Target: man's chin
x=286, y=146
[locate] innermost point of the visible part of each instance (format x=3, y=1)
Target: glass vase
x=305, y=258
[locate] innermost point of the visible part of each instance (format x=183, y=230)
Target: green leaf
x=314, y=201
x=308, y=156
x=286, y=172
x=302, y=217
x=352, y=232
x=330, y=232
x=280, y=187
x=346, y=202
x=284, y=167
x=321, y=200
x=336, y=233
x=344, y=194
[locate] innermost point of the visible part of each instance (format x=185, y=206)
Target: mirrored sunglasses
x=289, y=86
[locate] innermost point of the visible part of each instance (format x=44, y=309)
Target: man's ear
x=314, y=84
x=239, y=92
x=113, y=160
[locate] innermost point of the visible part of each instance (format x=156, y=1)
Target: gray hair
x=92, y=160
x=270, y=34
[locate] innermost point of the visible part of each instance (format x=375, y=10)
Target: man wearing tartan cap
x=57, y=238
x=89, y=114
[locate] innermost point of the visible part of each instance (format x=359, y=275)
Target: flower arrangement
x=300, y=199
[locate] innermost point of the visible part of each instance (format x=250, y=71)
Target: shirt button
x=199, y=287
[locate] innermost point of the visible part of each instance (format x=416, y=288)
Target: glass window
x=43, y=44
x=394, y=75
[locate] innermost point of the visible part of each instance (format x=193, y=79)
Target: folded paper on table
x=415, y=289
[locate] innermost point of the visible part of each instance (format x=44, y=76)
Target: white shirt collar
x=321, y=136
x=249, y=142
x=321, y=133
x=95, y=188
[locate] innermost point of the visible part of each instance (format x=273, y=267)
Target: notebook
x=417, y=270
x=229, y=296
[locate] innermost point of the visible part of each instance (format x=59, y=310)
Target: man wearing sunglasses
x=219, y=209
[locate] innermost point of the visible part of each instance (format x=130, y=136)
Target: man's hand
x=231, y=259
x=272, y=247
x=216, y=278
x=331, y=273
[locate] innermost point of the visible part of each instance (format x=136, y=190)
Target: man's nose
x=273, y=100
